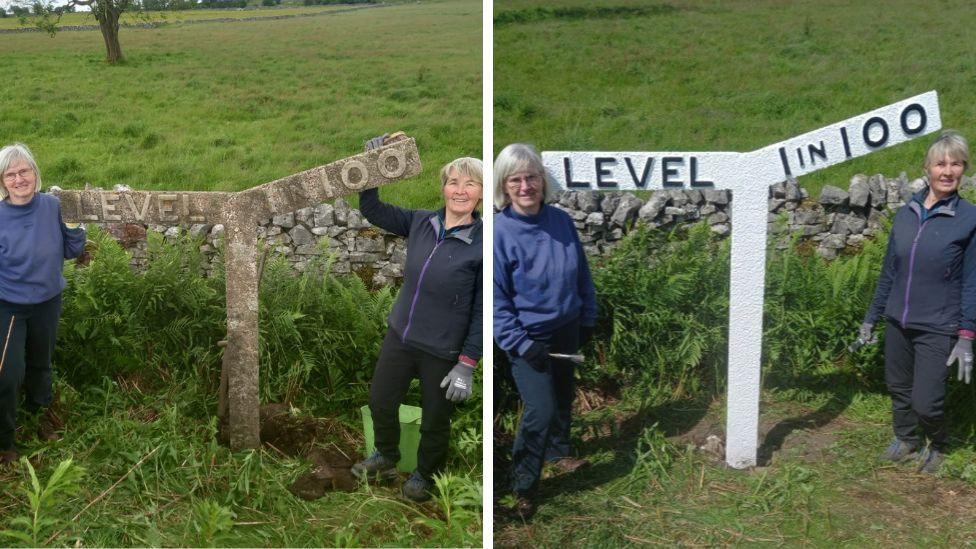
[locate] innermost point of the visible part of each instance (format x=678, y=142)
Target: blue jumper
x=34, y=242
x=928, y=281
x=541, y=278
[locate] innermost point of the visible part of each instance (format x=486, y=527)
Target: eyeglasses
x=10, y=177
x=532, y=180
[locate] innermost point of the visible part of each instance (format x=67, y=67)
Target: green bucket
x=409, y=435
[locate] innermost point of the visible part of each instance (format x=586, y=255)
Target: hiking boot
x=375, y=468
x=932, y=462
x=569, y=465
x=416, y=488
x=48, y=426
x=524, y=507
x=899, y=451
x=8, y=458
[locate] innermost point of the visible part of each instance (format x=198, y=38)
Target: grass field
x=85, y=18
x=136, y=372
x=229, y=106
x=820, y=485
x=725, y=76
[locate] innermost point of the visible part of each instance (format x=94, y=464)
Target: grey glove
x=458, y=382
x=963, y=352
x=376, y=142
x=865, y=336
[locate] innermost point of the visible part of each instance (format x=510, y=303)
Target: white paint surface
x=748, y=176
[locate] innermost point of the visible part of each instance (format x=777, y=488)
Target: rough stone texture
x=859, y=191
x=838, y=217
x=833, y=196
x=627, y=210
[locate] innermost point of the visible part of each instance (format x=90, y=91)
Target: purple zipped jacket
x=928, y=281
x=438, y=309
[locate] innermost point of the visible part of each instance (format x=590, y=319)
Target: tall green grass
x=230, y=106
x=653, y=389
x=724, y=76
x=137, y=368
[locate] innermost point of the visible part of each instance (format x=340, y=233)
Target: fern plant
x=43, y=502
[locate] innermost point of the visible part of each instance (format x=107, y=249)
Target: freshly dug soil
x=325, y=442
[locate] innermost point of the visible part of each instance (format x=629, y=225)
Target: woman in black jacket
x=435, y=325
x=927, y=294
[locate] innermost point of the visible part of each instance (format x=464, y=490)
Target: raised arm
x=386, y=216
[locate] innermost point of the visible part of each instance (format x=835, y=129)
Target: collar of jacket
x=465, y=233
x=918, y=201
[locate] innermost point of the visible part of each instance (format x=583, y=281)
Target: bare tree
x=107, y=12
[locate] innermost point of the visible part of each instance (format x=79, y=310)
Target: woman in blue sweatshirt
x=927, y=295
x=34, y=242
x=544, y=302
x=435, y=324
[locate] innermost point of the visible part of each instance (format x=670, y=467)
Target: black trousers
x=27, y=361
x=544, y=431
x=397, y=366
x=916, y=374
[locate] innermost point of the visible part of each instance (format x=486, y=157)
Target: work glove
x=865, y=336
x=963, y=352
x=458, y=382
x=376, y=142
x=585, y=335
x=537, y=355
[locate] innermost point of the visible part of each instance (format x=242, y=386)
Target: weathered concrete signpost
x=240, y=213
x=748, y=176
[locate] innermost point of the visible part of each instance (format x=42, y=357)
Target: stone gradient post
x=748, y=176
x=240, y=213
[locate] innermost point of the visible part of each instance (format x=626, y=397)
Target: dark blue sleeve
x=508, y=331
x=385, y=216
x=968, y=305
x=472, y=347
x=587, y=290
x=74, y=239
x=885, y=280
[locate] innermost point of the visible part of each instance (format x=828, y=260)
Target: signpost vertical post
x=748, y=176
x=240, y=212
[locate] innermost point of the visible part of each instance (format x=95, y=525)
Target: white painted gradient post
x=748, y=176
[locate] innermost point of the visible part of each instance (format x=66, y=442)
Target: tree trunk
x=108, y=22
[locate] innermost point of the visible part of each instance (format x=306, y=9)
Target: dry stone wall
x=836, y=220
x=329, y=228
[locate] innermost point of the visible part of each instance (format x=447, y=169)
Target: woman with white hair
x=544, y=303
x=927, y=294
x=34, y=243
x=435, y=324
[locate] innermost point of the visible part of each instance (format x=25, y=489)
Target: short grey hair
x=11, y=153
x=471, y=167
x=949, y=143
x=519, y=157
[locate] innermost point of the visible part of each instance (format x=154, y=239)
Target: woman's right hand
x=537, y=355
x=375, y=142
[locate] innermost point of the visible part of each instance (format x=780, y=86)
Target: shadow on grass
x=595, y=434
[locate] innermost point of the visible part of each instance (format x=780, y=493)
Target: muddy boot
x=932, y=462
x=375, y=468
x=8, y=458
x=899, y=451
x=49, y=426
x=524, y=507
x=416, y=488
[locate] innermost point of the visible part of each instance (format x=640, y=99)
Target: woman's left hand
x=458, y=382
x=963, y=352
